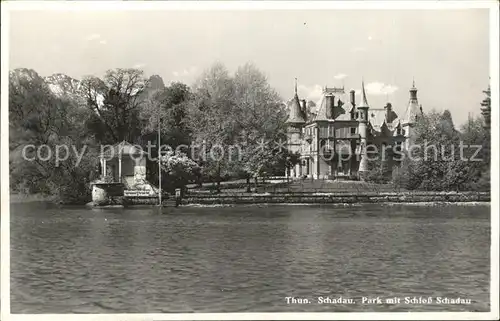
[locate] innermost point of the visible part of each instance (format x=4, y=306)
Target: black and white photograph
x=249, y=160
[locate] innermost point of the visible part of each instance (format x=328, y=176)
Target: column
x=363, y=165
x=104, y=167
x=101, y=162
x=316, y=153
x=120, y=168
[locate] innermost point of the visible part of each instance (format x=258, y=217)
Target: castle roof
x=412, y=110
x=382, y=119
x=123, y=148
x=321, y=109
x=342, y=113
x=340, y=109
x=364, y=102
x=376, y=117
x=296, y=114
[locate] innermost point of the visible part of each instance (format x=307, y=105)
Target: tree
x=486, y=108
x=169, y=106
x=39, y=118
x=179, y=170
x=114, y=102
x=477, y=136
x=172, y=103
x=212, y=122
x=261, y=118
x=379, y=170
x=439, y=141
x=236, y=115
x=443, y=161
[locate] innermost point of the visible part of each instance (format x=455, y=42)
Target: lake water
x=247, y=258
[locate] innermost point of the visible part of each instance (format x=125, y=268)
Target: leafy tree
x=37, y=117
x=212, y=122
x=179, y=170
x=261, y=119
x=237, y=114
x=170, y=104
x=114, y=102
x=443, y=161
x=379, y=170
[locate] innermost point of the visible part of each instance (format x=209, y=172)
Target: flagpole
x=159, y=160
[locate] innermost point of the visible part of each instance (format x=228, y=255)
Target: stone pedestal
x=99, y=194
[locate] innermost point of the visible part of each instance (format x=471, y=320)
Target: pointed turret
x=364, y=102
x=296, y=114
x=412, y=111
x=363, y=131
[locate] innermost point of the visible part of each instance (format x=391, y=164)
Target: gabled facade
x=332, y=136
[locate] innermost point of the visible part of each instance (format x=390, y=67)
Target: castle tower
x=362, y=127
x=295, y=124
x=412, y=113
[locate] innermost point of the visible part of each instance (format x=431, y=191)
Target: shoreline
x=422, y=204
x=417, y=198
x=29, y=198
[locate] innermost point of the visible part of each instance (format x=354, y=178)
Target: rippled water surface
x=249, y=258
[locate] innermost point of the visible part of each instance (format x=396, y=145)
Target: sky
x=446, y=52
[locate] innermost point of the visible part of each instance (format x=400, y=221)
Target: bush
x=178, y=170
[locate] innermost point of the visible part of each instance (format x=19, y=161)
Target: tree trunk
x=218, y=178
x=248, y=184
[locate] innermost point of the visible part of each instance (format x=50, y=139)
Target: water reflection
x=233, y=259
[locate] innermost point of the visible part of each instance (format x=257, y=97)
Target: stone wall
x=323, y=198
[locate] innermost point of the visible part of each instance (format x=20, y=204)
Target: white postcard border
x=250, y=5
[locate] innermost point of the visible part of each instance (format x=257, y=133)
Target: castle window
x=357, y=114
x=353, y=130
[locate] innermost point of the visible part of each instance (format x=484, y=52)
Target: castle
x=332, y=137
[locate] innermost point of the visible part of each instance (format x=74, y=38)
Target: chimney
x=353, y=97
x=303, y=105
x=388, y=112
x=329, y=105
